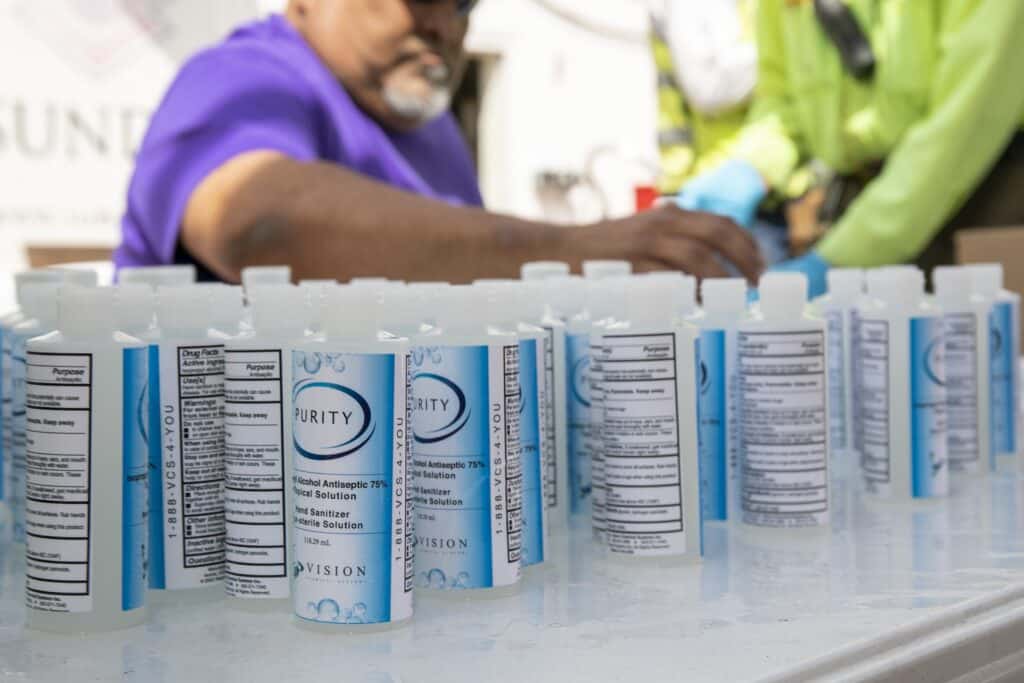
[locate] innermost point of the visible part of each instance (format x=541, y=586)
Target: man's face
x=400, y=59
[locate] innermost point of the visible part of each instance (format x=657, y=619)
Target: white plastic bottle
x=606, y=301
x=725, y=308
x=315, y=291
x=577, y=368
x=511, y=313
x=543, y=270
x=466, y=474
x=1004, y=364
x=187, y=518
x=352, y=528
x=39, y=307
x=7, y=323
x=602, y=270
x=539, y=312
x=86, y=483
x=650, y=450
x=158, y=276
x=967, y=377
x=257, y=450
x=845, y=289
x=901, y=390
x=782, y=360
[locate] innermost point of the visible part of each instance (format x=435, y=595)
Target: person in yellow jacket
x=930, y=100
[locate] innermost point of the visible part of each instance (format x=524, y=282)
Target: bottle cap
x=369, y=281
x=783, y=295
x=900, y=286
x=600, y=270
x=278, y=309
x=506, y=294
x=543, y=270
x=184, y=308
x=566, y=296
x=254, y=276
x=34, y=277
x=314, y=282
x=226, y=306
x=986, y=278
x=845, y=283
x=82, y=277
x=466, y=306
x=607, y=298
x=87, y=311
x=351, y=312
x=158, y=276
x=651, y=300
x=401, y=309
x=724, y=295
x=136, y=307
x=952, y=284
x=39, y=302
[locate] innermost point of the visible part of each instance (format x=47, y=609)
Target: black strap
x=845, y=32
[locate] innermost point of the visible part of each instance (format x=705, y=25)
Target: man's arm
x=325, y=220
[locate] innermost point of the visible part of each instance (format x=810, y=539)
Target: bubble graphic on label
x=462, y=580
x=436, y=356
x=338, y=363
x=327, y=610
x=417, y=355
x=436, y=579
x=312, y=362
x=358, y=614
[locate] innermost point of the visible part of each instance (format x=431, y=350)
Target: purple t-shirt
x=265, y=89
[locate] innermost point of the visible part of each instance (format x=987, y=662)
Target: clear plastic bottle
x=651, y=470
x=258, y=276
x=258, y=503
x=466, y=473
x=39, y=307
x=187, y=518
x=725, y=308
x=967, y=378
x=352, y=519
x=511, y=314
x=541, y=313
x=157, y=276
x=1004, y=364
x=86, y=483
x=845, y=289
x=7, y=323
x=602, y=270
x=315, y=291
x=901, y=393
x=577, y=367
x=783, y=371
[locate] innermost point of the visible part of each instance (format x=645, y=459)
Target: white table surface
x=869, y=594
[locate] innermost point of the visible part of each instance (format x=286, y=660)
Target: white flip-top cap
x=466, y=306
x=783, y=295
x=401, y=308
x=724, y=295
x=566, y=295
x=506, y=294
x=986, y=278
x=136, y=307
x=607, y=298
x=900, y=286
x=533, y=299
x=543, y=270
x=158, y=276
x=34, y=277
x=351, y=312
x=183, y=308
x=81, y=277
x=87, y=311
x=254, y=276
x=278, y=309
x=317, y=282
x=681, y=288
x=39, y=302
x=372, y=281
x=845, y=283
x=952, y=284
x=601, y=270
x=226, y=306
x=651, y=300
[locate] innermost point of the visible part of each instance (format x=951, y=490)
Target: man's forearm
x=327, y=221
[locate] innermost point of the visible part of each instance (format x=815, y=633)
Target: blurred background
x=574, y=78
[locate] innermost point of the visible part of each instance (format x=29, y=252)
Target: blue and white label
x=466, y=474
x=714, y=425
x=16, y=453
x=577, y=353
x=350, y=440
x=1004, y=369
x=532, y=447
x=154, y=431
x=962, y=392
x=837, y=331
x=928, y=409
x=59, y=571
x=135, y=415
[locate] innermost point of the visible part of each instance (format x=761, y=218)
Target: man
x=917, y=106
x=321, y=139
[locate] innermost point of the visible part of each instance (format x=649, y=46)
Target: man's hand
x=669, y=238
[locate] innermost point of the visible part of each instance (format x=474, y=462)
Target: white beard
x=420, y=108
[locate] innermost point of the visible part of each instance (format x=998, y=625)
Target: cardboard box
x=995, y=245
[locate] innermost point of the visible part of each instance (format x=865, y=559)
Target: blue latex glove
x=811, y=265
x=733, y=189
